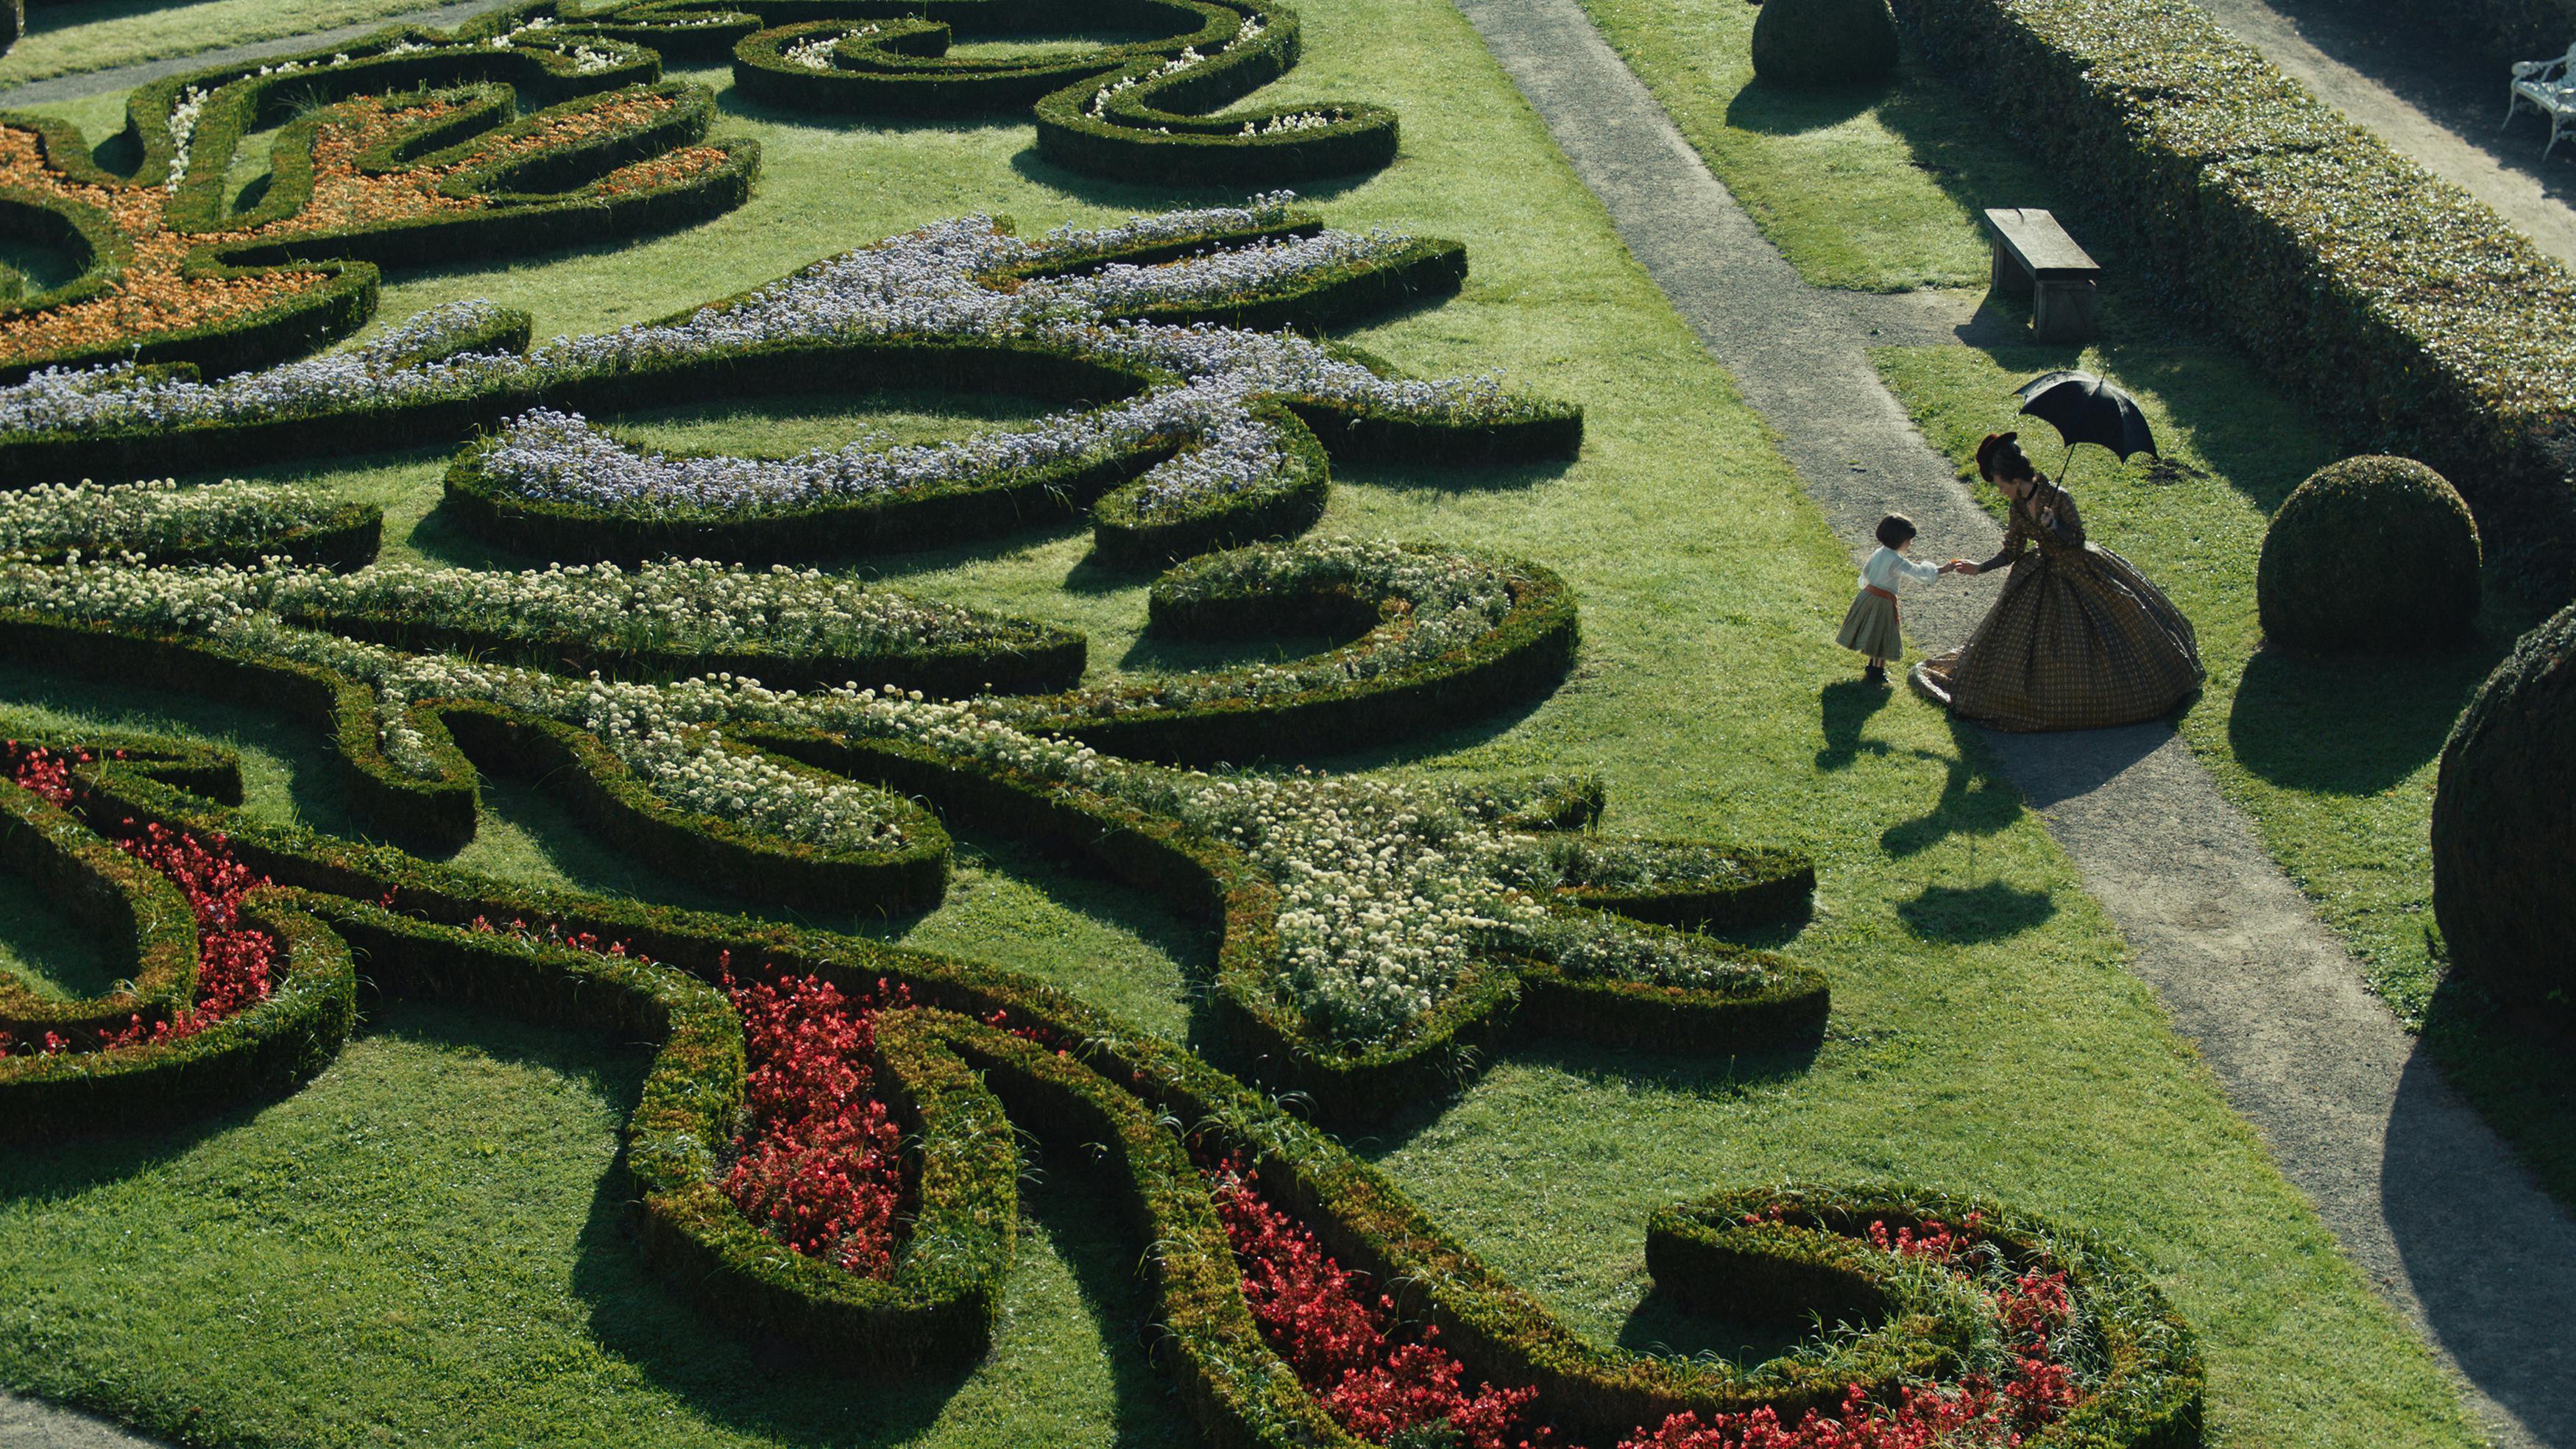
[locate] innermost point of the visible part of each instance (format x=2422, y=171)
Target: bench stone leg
x=2064, y=312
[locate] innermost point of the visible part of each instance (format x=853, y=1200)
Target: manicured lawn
x=414, y=1249
x=1877, y=188
x=99, y=34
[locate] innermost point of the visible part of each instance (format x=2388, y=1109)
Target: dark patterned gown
x=2078, y=639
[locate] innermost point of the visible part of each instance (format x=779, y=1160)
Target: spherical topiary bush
x=2504, y=827
x=1823, y=42
x=2370, y=553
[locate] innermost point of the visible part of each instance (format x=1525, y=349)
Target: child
x=1870, y=627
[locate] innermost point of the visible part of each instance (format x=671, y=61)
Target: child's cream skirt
x=1870, y=627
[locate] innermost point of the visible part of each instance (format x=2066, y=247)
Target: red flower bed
x=234, y=962
x=1385, y=1381
x=1377, y=1377
x=821, y=1166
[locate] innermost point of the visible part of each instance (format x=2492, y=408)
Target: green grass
x=100, y=34
x=2334, y=760
x=240, y=1281
x=1875, y=188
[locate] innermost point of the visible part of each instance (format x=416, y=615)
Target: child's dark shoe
x=1874, y=675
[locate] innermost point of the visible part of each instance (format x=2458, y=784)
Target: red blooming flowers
x=1388, y=1383
x=821, y=1166
x=235, y=962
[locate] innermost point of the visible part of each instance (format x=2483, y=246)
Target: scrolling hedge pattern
x=408, y=147
x=863, y=1105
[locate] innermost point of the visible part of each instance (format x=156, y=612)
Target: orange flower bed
x=155, y=293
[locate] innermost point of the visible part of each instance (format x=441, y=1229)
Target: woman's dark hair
x=2000, y=457
x=1895, y=529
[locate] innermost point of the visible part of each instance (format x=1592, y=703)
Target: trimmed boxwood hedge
x=1127, y=535
x=1156, y=127
x=346, y=537
x=1520, y=659
x=2376, y=554
x=1036, y=658
x=138, y=912
x=975, y=1053
x=268, y=1048
x=530, y=203
x=2393, y=303
x=2504, y=835
x=1201, y=874
x=438, y=813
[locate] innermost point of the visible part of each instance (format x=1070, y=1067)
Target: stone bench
x=2034, y=254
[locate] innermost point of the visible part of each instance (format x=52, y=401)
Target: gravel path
x=2423, y=96
x=2421, y=1193
x=34, y=1424
x=126, y=77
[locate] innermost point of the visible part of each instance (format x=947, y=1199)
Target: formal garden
x=833, y=722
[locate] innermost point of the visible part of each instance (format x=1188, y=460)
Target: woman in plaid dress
x=2079, y=639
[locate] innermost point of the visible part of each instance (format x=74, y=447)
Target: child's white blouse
x=1886, y=566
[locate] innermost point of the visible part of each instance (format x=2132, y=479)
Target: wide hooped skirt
x=1870, y=626
x=2079, y=640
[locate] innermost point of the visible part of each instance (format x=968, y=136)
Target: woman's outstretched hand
x=1960, y=566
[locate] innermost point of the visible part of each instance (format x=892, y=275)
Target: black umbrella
x=2085, y=409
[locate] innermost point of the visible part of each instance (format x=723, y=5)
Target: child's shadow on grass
x=1972, y=914
x=1847, y=708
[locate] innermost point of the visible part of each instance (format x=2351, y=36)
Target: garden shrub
x=1154, y=112
x=228, y=523
x=1254, y=1215
x=1196, y=436
x=2394, y=304
x=419, y=133
x=1811, y=43
x=2504, y=837
x=2369, y=553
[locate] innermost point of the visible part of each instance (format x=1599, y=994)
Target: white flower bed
x=1389, y=891
x=935, y=283
x=101, y=518
x=661, y=608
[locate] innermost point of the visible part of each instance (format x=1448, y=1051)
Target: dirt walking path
x=2421, y=1193
x=2426, y=99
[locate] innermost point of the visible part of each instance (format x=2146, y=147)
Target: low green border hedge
x=1521, y=659
x=1042, y=657
x=150, y=930
x=2399, y=307
x=272, y=1046
x=1082, y=1078
x=242, y=102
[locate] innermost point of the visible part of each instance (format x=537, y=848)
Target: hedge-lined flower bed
x=790, y=628
x=419, y=155
x=1363, y=976
x=233, y=989
x=1212, y=437
x=157, y=521
x=1967, y=1316
x=1154, y=111
x=2397, y=305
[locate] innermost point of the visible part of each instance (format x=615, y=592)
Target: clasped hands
x=1959, y=566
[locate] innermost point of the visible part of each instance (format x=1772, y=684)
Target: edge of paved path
x=2395, y=1162
x=143, y=72
x=2519, y=197
x=34, y=1424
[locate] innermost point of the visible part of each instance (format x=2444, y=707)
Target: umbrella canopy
x=2085, y=409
